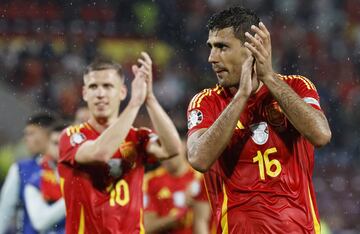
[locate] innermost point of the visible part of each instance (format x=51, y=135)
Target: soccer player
x=175, y=199
x=102, y=161
x=254, y=133
x=36, y=135
x=43, y=199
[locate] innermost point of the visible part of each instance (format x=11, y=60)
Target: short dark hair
x=59, y=126
x=100, y=64
x=42, y=119
x=239, y=18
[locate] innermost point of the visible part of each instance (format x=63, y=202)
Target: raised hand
x=260, y=47
x=245, y=84
x=138, y=86
x=146, y=66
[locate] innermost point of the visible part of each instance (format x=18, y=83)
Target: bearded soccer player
x=254, y=133
x=102, y=161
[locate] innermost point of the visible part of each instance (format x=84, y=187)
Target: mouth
x=101, y=105
x=219, y=70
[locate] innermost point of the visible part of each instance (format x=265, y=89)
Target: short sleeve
x=69, y=145
x=305, y=89
x=200, y=112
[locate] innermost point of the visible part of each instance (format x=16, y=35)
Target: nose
x=213, y=56
x=100, y=92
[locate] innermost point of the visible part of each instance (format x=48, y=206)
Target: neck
x=100, y=124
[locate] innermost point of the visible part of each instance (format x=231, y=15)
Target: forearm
x=311, y=123
x=153, y=223
x=42, y=215
x=9, y=197
x=201, y=217
x=104, y=147
x=164, y=127
x=207, y=148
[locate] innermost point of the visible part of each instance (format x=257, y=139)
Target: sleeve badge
x=195, y=118
x=77, y=138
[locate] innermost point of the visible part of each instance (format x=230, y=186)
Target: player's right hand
x=138, y=86
x=245, y=84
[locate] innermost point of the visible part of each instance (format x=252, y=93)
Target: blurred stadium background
x=44, y=46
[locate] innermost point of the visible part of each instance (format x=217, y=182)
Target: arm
x=164, y=127
x=104, y=147
x=42, y=215
x=311, y=123
x=9, y=197
x=154, y=223
x=202, y=214
x=206, y=145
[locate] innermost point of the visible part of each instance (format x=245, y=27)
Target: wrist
x=241, y=96
x=270, y=77
x=150, y=99
x=134, y=104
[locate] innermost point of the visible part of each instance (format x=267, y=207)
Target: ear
x=84, y=93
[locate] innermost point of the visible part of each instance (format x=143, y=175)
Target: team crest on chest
x=128, y=151
x=195, y=118
x=260, y=133
x=274, y=114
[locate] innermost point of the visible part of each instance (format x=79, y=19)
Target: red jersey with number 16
x=262, y=182
x=103, y=198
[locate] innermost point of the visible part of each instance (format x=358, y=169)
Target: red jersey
x=262, y=182
x=103, y=198
x=165, y=194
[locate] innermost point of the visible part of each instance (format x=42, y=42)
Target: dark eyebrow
x=220, y=44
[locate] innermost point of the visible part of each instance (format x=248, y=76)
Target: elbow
x=197, y=163
x=322, y=139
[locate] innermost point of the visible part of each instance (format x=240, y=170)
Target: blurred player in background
x=82, y=115
x=43, y=200
x=36, y=135
x=102, y=161
x=175, y=199
x=254, y=133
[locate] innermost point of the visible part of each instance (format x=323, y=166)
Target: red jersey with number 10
x=262, y=182
x=103, y=198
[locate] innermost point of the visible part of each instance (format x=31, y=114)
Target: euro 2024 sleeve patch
x=77, y=138
x=195, y=118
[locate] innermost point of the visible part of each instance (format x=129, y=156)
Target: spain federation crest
x=195, y=118
x=260, y=133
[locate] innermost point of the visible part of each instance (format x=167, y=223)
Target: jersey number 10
x=271, y=167
x=120, y=194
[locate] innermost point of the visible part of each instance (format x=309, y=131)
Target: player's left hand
x=146, y=66
x=260, y=47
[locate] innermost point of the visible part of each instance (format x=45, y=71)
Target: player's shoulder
x=297, y=80
x=77, y=128
x=76, y=133
x=205, y=95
